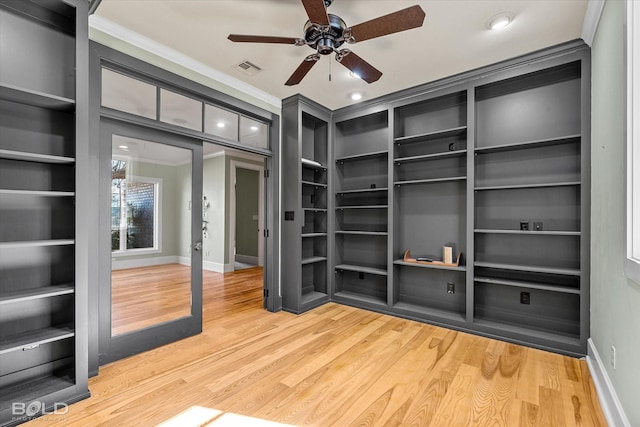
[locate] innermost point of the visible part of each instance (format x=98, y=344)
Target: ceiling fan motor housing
x=325, y=40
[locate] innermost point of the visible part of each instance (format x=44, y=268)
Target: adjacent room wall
x=214, y=185
x=247, y=187
x=615, y=300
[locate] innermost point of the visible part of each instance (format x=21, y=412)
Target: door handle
x=197, y=246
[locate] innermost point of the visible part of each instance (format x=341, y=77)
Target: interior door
x=151, y=206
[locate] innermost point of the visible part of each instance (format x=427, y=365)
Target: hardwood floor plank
x=332, y=366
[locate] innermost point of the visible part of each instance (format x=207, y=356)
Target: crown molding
x=132, y=38
x=591, y=20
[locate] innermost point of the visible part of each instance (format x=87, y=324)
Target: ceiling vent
x=249, y=67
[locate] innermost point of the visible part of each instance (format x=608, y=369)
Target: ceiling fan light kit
x=326, y=33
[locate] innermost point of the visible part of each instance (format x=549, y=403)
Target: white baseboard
x=209, y=265
x=121, y=264
x=613, y=411
x=247, y=259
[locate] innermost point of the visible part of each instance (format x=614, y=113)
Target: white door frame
x=234, y=164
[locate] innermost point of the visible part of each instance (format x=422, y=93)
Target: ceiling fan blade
x=405, y=19
x=359, y=66
x=243, y=38
x=317, y=11
x=302, y=70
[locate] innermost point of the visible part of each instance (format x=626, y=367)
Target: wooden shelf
x=32, y=294
x=427, y=157
x=363, y=190
x=432, y=266
x=35, y=157
x=37, y=193
x=430, y=181
x=530, y=268
x=35, y=98
x=313, y=260
x=528, y=232
x=529, y=285
x=525, y=186
x=28, y=340
x=362, y=156
x=362, y=269
x=528, y=144
x=430, y=136
x=314, y=184
x=36, y=243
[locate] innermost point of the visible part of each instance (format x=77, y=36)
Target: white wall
x=615, y=300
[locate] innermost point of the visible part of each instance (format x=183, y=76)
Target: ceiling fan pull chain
x=329, y=70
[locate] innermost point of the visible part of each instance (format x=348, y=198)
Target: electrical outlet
x=451, y=288
x=524, y=225
x=537, y=226
x=361, y=275
x=525, y=298
x=613, y=357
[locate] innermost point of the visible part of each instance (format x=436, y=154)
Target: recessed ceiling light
x=254, y=128
x=220, y=124
x=499, y=21
x=354, y=75
x=356, y=96
x=123, y=147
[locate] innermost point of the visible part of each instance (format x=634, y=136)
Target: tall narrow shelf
x=529, y=233
x=429, y=168
x=305, y=189
x=361, y=215
x=43, y=91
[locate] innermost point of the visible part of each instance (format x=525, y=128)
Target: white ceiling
x=453, y=39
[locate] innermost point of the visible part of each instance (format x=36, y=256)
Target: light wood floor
x=147, y=296
x=333, y=366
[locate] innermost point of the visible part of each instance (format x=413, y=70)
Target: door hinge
x=266, y=233
x=266, y=173
x=266, y=293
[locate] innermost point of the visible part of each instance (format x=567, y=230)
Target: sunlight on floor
x=197, y=416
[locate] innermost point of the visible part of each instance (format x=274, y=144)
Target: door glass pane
x=128, y=94
x=254, y=133
x=150, y=233
x=180, y=110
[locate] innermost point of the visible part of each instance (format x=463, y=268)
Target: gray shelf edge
x=527, y=332
x=37, y=243
x=363, y=156
x=311, y=166
x=364, y=233
x=431, y=135
x=364, y=190
x=430, y=181
x=31, y=294
x=35, y=157
x=313, y=184
x=38, y=193
x=428, y=157
x=527, y=233
x=361, y=269
x=526, y=186
x=529, y=285
x=529, y=144
x=35, y=338
x=530, y=268
x=461, y=268
x=312, y=260
x=309, y=235
x=314, y=209
x=363, y=207
x=431, y=312
x=35, y=98
x=360, y=298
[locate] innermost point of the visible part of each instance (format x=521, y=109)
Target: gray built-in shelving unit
x=494, y=163
x=43, y=91
x=304, y=229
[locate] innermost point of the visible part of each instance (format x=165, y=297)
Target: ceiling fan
x=325, y=33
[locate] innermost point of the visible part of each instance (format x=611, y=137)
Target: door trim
x=233, y=165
